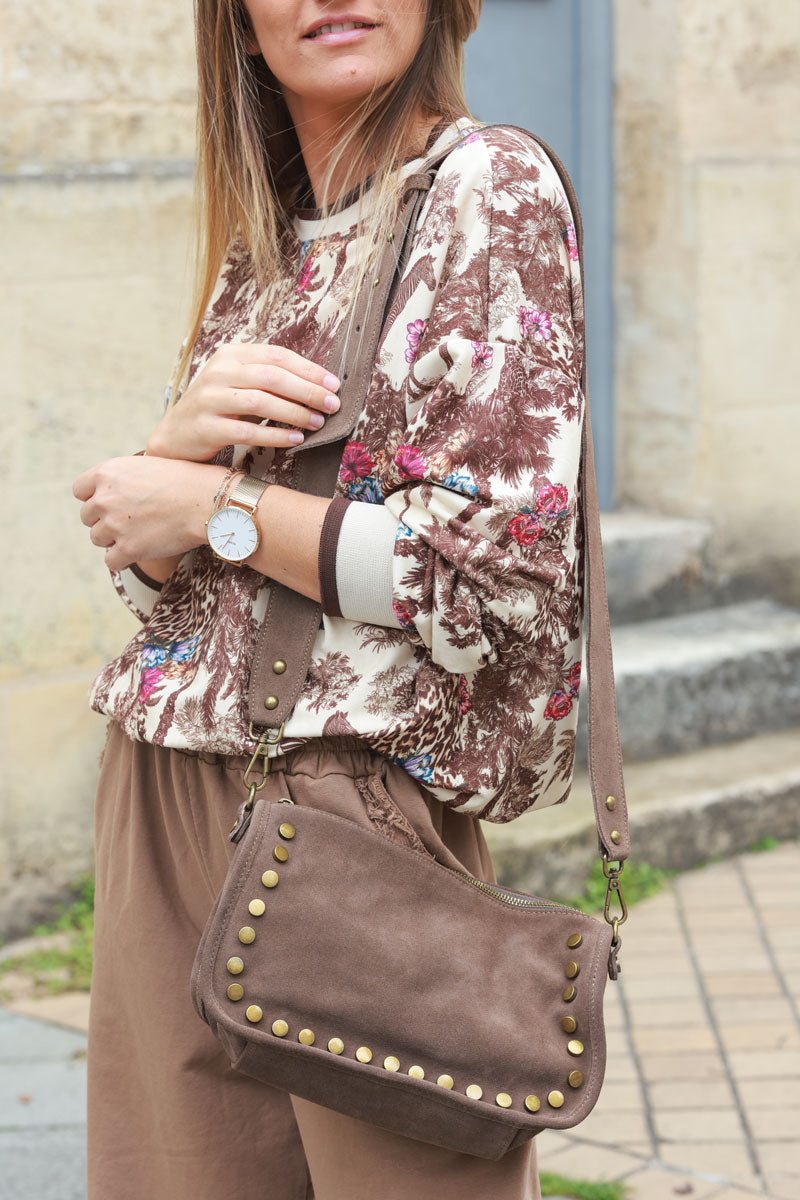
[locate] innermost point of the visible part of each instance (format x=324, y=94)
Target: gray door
x=547, y=65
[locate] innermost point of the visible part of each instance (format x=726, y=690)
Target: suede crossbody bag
x=367, y=977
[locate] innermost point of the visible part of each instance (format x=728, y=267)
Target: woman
x=444, y=678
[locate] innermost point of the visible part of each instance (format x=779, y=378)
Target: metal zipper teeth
x=514, y=901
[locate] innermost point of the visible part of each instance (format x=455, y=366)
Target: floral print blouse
x=470, y=438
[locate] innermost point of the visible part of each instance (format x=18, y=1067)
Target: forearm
x=159, y=569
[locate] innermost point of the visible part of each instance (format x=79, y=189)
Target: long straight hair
x=249, y=167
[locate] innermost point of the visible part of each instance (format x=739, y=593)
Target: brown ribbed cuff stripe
x=136, y=570
x=326, y=561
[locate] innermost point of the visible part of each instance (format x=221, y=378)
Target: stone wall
x=707, y=259
x=96, y=142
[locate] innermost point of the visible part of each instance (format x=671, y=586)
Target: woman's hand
x=240, y=385
x=140, y=508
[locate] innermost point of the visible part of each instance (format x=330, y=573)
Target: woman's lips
x=341, y=37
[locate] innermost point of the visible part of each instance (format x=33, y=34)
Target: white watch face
x=232, y=533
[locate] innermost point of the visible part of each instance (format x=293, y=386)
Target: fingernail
x=331, y=382
x=295, y=437
x=331, y=403
x=316, y=420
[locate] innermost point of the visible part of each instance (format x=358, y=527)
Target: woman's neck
x=318, y=134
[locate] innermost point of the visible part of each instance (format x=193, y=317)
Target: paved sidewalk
x=702, y=1092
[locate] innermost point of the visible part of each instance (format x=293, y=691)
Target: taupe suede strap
x=292, y=620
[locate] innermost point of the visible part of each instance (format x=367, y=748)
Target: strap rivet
x=611, y=803
x=271, y=702
x=279, y=666
x=615, y=836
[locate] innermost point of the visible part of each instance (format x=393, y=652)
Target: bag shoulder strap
x=292, y=620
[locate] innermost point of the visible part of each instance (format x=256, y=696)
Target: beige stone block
x=774, y=1123
x=739, y=983
x=69, y=1009
x=723, y=1158
x=765, y=1064
x=595, y=1162
x=783, y=1093
x=667, y=1015
x=760, y=1035
x=51, y=744
x=653, y=1183
x=780, y=1157
x=690, y=1068
x=675, y=1094
x=740, y=76
x=736, y=1009
x=613, y=1129
x=644, y=987
x=699, y=1125
x=784, y=1186
x=699, y=1037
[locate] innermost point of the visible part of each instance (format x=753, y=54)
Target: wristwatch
x=232, y=532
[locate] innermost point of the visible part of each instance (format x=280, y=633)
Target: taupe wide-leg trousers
x=168, y=1119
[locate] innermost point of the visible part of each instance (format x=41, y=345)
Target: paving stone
x=759, y=1035
x=774, y=1123
x=614, y=1128
x=786, y=1187
x=744, y=1008
x=668, y=1014
x=777, y=1092
x=673, y=1094
x=737, y=983
x=584, y=1161
x=689, y=1038
x=653, y=1183
x=661, y=987
x=700, y=1125
x=70, y=1009
x=765, y=1064
x=691, y=1068
x=22, y=1040
x=780, y=1157
x=729, y=1161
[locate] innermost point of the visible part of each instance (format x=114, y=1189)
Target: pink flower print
x=149, y=682
x=356, y=462
x=572, y=241
x=551, y=500
x=558, y=706
x=524, y=528
x=481, y=355
x=409, y=462
x=305, y=272
x=464, y=702
x=414, y=332
x=574, y=679
x=535, y=324
x=404, y=613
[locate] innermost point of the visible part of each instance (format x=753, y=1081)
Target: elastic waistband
x=338, y=754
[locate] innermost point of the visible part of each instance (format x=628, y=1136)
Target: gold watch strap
x=247, y=492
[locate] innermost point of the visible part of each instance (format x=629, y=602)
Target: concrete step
x=655, y=565
x=711, y=676
x=683, y=810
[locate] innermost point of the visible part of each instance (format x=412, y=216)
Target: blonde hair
x=249, y=168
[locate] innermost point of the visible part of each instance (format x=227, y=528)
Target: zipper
x=513, y=898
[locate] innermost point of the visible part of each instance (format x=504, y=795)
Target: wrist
x=200, y=499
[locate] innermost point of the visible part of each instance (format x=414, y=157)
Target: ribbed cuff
x=326, y=560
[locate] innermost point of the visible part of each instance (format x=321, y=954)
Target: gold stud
x=253, y=1013
x=247, y=934
x=280, y=1028
x=574, y=940
x=306, y=1036
x=569, y=1024
x=575, y=1047
x=257, y=908
x=286, y=830
x=364, y=1054
x=575, y=1078
x=270, y=702
x=474, y=1091
x=235, y=966
x=279, y=666
x=235, y=991
x=416, y=1072
x=391, y=1063
x=280, y=853
x=390, y=238
x=555, y=1099
x=376, y=281
x=270, y=879
x=533, y=1103
x=615, y=836
x=336, y=1046
x=569, y=992
x=503, y=1099
x=611, y=803
x=572, y=969
x=445, y=1081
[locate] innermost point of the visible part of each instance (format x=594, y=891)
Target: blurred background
x=679, y=121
